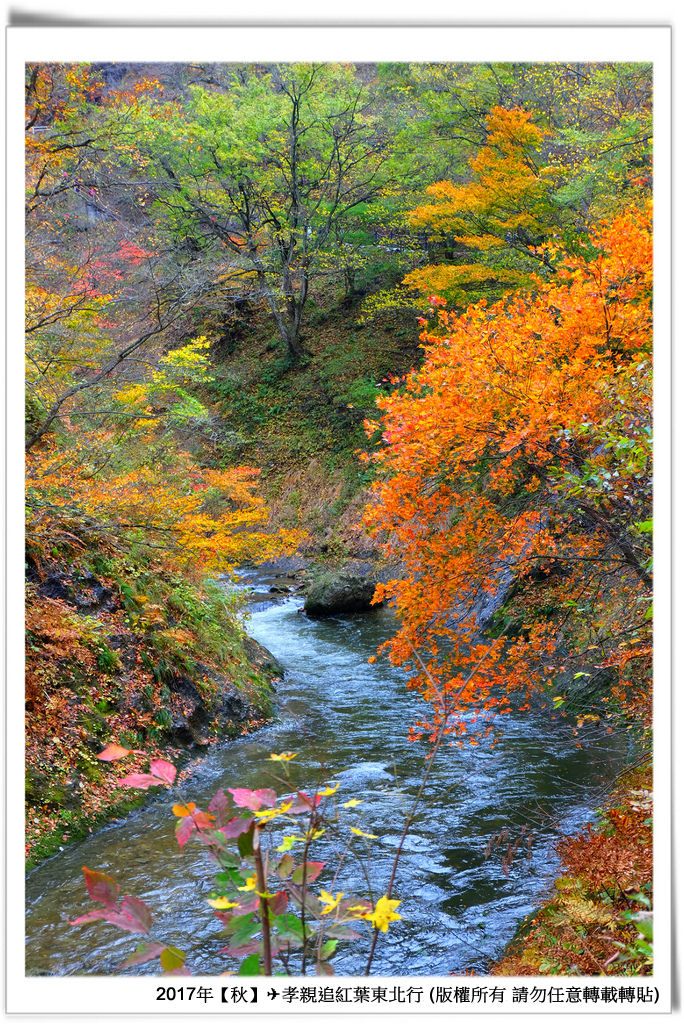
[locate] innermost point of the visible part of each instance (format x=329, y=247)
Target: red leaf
x=254, y=798
x=184, y=830
x=253, y=946
x=100, y=887
x=248, y=904
x=203, y=820
x=236, y=826
x=114, y=915
x=268, y=797
x=138, y=913
x=219, y=805
x=92, y=915
x=148, y=951
x=313, y=870
x=163, y=770
x=305, y=803
x=139, y=781
x=113, y=752
x=278, y=904
x=224, y=916
x=123, y=921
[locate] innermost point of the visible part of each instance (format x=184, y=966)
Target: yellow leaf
x=222, y=903
x=329, y=790
x=384, y=913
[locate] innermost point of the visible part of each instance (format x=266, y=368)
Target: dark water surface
x=459, y=910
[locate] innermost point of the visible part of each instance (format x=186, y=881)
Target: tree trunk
x=289, y=332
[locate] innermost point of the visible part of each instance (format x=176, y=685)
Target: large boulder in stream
x=339, y=592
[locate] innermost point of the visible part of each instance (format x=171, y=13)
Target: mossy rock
x=40, y=789
x=339, y=592
x=262, y=659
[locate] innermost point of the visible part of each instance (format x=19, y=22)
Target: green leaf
x=289, y=926
x=250, y=966
x=239, y=923
x=226, y=859
x=245, y=932
x=172, y=958
x=245, y=843
x=328, y=948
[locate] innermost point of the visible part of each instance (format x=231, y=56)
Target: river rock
x=262, y=658
x=82, y=589
x=339, y=592
x=189, y=726
x=584, y=690
x=286, y=566
x=234, y=706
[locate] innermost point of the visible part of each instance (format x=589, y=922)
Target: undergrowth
x=303, y=424
x=599, y=919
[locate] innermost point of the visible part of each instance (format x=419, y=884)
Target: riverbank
x=161, y=666
x=551, y=939
x=598, y=921
x=150, y=661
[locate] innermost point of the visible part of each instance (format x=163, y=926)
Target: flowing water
x=459, y=908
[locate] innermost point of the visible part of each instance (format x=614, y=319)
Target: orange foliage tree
x=128, y=478
x=495, y=225
x=516, y=461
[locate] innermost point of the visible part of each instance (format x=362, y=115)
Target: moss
x=76, y=824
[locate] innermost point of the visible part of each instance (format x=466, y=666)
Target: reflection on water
x=459, y=909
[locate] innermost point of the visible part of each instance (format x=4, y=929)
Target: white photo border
x=94, y=996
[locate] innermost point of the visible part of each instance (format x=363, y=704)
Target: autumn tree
x=516, y=462
x=598, y=118
x=112, y=376
x=600, y=121
x=505, y=209
x=260, y=177
x=99, y=294
x=511, y=155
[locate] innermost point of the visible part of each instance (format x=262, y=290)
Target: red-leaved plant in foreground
x=263, y=894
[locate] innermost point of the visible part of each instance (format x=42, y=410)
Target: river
x=458, y=908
